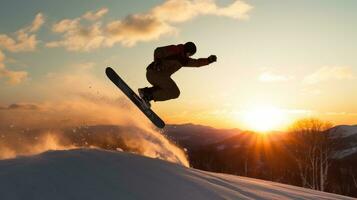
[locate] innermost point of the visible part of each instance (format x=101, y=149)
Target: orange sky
x=275, y=63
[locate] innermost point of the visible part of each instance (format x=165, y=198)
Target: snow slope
x=345, y=130
x=97, y=174
x=347, y=136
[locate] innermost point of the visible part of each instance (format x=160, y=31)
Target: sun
x=263, y=118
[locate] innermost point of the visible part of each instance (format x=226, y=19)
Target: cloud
x=299, y=111
x=151, y=25
x=65, y=25
x=22, y=106
x=272, y=77
x=339, y=113
x=24, y=39
x=2, y=60
x=187, y=9
x=36, y=23
x=237, y=10
x=78, y=37
x=23, y=42
x=14, y=77
x=92, y=16
x=329, y=73
x=135, y=28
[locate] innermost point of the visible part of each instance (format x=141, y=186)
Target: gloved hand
x=212, y=58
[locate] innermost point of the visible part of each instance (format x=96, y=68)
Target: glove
x=212, y=58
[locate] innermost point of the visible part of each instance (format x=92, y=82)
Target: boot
x=146, y=95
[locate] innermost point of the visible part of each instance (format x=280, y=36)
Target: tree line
x=304, y=156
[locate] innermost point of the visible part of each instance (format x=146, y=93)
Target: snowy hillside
x=345, y=130
x=347, y=136
x=98, y=174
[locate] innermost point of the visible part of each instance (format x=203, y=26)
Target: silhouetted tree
x=312, y=146
x=354, y=180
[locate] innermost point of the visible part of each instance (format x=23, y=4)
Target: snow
x=346, y=130
x=97, y=174
x=344, y=153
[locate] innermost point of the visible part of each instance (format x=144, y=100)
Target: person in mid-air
x=167, y=60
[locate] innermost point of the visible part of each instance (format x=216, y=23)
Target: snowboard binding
x=146, y=96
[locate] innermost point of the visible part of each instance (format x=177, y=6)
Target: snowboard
x=120, y=83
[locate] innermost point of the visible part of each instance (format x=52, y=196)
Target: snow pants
x=164, y=88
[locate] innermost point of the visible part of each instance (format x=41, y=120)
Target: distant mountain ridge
x=347, y=139
x=193, y=135
x=345, y=130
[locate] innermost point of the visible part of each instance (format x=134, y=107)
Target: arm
x=197, y=62
x=201, y=61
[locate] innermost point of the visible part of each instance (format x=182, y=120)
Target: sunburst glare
x=263, y=118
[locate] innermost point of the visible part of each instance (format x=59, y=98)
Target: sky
x=278, y=60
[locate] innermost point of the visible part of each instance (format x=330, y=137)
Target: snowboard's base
x=153, y=117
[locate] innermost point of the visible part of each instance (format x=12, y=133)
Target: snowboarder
x=168, y=60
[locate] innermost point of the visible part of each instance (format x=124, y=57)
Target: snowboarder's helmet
x=190, y=47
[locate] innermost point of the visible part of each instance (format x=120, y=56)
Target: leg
x=164, y=88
